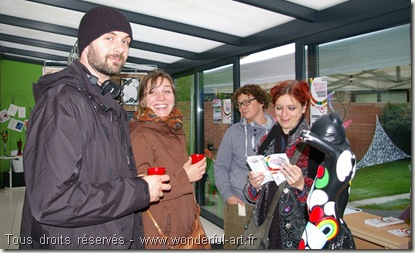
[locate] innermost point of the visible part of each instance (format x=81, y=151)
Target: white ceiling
x=181, y=34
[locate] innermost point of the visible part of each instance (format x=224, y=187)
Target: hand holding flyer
x=269, y=165
x=274, y=163
x=257, y=164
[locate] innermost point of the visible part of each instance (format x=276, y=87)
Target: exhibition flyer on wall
x=318, y=89
x=222, y=111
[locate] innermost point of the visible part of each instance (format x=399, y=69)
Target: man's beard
x=102, y=66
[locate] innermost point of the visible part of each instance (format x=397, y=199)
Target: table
x=10, y=158
x=369, y=237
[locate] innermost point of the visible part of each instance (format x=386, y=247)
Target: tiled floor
x=11, y=204
x=10, y=216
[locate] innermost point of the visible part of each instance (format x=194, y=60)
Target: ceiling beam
x=163, y=50
x=150, y=21
x=15, y=51
x=56, y=29
x=45, y=56
x=37, y=25
x=284, y=7
x=35, y=43
x=328, y=27
x=21, y=59
x=160, y=65
x=348, y=19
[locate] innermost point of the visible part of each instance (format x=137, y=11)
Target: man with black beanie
x=82, y=190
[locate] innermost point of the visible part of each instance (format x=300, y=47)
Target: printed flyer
x=318, y=105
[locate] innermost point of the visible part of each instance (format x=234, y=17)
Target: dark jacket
x=81, y=184
x=155, y=143
x=290, y=216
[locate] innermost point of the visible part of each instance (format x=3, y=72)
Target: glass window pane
x=369, y=77
x=365, y=73
x=268, y=67
x=218, y=89
x=377, y=50
x=185, y=102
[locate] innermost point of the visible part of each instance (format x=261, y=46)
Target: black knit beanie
x=99, y=21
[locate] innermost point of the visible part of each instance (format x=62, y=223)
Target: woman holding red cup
x=197, y=157
x=158, y=140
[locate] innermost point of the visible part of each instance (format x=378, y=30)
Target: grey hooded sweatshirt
x=231, y=169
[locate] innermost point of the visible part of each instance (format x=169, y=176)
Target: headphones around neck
x=107, y=87
x=110, y=87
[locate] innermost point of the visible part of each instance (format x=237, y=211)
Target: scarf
x=174, y=120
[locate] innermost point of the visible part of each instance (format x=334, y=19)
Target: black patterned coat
x=290, y=216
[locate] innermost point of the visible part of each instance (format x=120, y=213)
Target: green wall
x=16, y=80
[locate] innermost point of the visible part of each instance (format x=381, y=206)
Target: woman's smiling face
x=160, y=97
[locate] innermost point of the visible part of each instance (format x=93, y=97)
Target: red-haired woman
x=291, y=100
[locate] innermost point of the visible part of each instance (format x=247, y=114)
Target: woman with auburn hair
x=291, y=100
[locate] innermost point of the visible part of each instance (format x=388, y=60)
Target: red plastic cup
x=197, y=157
x=156, y=171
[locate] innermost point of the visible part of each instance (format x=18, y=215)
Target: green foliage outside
x=183, y=86
x=183, y=100
x=396, y=121
x=210, y=169
x=381, y=180
x=399, y=204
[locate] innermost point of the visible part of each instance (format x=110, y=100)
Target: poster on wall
x=13, y=109
x=227, y=111
x=4, y=116
x=11, y=114
x=216, y=105
x=130, y=90
x=16, y=125
x=318, y=103
x=21, y=112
